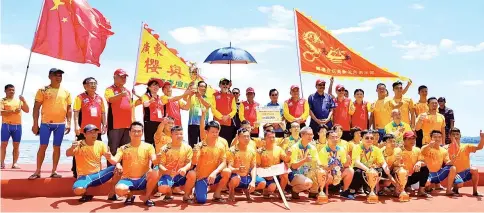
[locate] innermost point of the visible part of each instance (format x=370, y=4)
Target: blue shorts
x=245, y=181
x=270, y=180
x=95, y=179
x=464, y=176
x=46, y=130
x=139, y=184
x=167, y=180
x=11, y=130
x=201, y=188
x=442, y=174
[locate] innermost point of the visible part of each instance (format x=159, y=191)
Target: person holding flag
x=88, y=109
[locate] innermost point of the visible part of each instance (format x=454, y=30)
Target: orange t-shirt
x=462, y=161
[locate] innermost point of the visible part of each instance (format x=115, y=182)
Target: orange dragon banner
x=321, y=53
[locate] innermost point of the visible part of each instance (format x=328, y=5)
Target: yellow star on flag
x=64, y=19
x=57, y=3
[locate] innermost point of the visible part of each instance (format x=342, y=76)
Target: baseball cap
x=408, y=134
x=441, y=99
x=157, y=80
x=224, y=79
x=294, y=87
x=55, y=70
x=120, y=72
x=339, y=86
x=250, y=89
x=90, y=127
x=320, y=81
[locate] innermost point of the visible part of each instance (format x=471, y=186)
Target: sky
x=437, y=44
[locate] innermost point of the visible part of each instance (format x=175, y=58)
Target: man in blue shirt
x=320, y=107
x=274, y=95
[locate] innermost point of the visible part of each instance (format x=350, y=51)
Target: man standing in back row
x=56, y=118
x=321, y=107
x=120, y=112
x=224, y=109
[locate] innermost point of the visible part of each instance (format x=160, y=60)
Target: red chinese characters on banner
x=321, y=53
x=175, y=70
x=152, y=65
x=157, y=49
x=146, y=48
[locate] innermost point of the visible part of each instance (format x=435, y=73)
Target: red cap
x=320, y=81
x=250, y=89
x=294, y=87
x=408, y=134
x=167, y=83
x=157, y=80
x=120, y=72
x=339, y=86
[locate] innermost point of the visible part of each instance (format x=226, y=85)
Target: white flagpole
x=31, y=46
x=298, y=53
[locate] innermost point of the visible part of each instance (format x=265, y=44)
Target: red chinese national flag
x=71, y=30
x=321, y=53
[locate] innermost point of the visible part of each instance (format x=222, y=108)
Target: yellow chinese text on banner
x=156, y=60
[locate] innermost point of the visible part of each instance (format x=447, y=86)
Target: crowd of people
x=344, y=140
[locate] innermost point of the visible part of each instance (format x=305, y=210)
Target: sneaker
x=346, y=194
x=312, y=195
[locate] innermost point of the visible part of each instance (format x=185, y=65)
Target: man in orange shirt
x=421, y=107
x=404, y=104
x=224, y=109
x=412, y=161
x=380, y=110
x=88, y=109
x=12, y=122
x=462, y=161
x=120, y=111
x=431, y=120
x=343, y=111
x=296, y=109
x=56, y=118
x=248, y=111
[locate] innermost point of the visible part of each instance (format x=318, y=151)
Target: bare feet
x=231, y=195
x=247, y=195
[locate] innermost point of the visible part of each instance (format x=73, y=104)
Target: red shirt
x=173, y=110
x=250, y=114
x=360, y=117
x=91, y=110
x=120, y=112
x=341, y=113
x=223, y=103
x=296, y=108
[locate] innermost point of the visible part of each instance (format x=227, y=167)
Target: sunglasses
x=321, y=85
x=341, y=90
x=235, y=93
x=275, y=94
x=369, y=138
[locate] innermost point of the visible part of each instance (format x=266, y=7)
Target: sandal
x=451, y=194
x=477, y=194
x=425, y=195
x=149, y=203
x=55, y=175
x=85, y=198
x=188, y=200
x=168, y=198
x=114, y=198
x=129, y=200
x=34, y=176
x=219, y=200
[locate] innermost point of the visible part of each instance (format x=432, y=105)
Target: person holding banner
x=56, y=118
x=333, y=158
x=153, y=109
x=241, y=160
x=269, y=155
x=12, y=123
x=248, y=111
x=224, y=109
x=307, y=168
x=173, y=105
x=120, y=111
x=278, y=127
x=321, y=107
x=88, y=109
x=296, y=109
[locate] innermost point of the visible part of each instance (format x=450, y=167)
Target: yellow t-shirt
x=410, y=158
x=88, y=158
x=421, y=108
x=405, y=109
x=238, y=159
x=297, y=154
x=431, y=122
x=173, y=158
x=288, y=142
x=382, y=113
x=462, y=161
x=373, y=157
x=391, y=128
x=252, y=144
x=344, y=144
x=135, y=160
x=326, y=153
x=54, y=104
x=209, y=158
x=11, y=104
x=318, y=145
x=434, y=158
x=390, y=159
x=78, y=104
x=267, y=158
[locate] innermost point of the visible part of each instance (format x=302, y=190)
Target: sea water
x=29, y=148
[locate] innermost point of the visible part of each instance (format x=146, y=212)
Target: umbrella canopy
x=230, y=55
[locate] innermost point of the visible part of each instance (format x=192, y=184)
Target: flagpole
x=137, y=59
x=32, y=46
x=298, y=53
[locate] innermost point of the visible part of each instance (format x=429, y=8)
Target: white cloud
x=446, y=43
x=279, y=16
x=417, y=6
x=417, y=51
x=264, y=47
x=469, y=48
x=471, y=82
x=366, y=26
